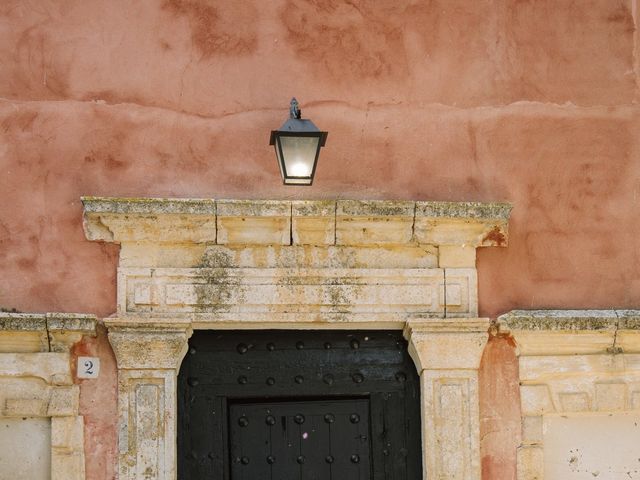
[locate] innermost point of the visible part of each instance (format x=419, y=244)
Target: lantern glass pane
x=299, y=155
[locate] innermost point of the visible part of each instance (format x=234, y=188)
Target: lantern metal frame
x=295, y=126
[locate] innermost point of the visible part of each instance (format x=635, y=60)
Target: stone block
x=592, y=446
x=64, y=401
x=158, y=347
x=535, y=400
x=467, y=224
x=530, y=463
x=51, y=367
x=244, y=292
x=66, y=329
x=456, y=256
x=25, y=444
x=447, y=343
x=67, y=466
x=461, y=287
x=532, y=430
x=125, y=220
x=67, y=434
x=374, y=222
x=25, y=407
x=611, y=396
x=254, y=222
x=574, y=401
x=22, y=332
x=313, y=222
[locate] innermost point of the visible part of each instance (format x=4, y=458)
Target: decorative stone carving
x=583, y=361
x=296, y=264
x=36, y=382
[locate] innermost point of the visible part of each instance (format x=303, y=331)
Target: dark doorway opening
x=308, y=405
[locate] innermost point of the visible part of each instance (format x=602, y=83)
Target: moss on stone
x=375, y=208
x=560, y=320
x=463, y=210
x=149, y=206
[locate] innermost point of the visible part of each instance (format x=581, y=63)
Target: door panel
x=311, y=440
x=231, y=384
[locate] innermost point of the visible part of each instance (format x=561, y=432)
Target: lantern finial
x=294, y=109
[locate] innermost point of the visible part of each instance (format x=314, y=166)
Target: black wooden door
x=289, y=405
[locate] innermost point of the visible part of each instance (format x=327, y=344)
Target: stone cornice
x=43, y=332
x=284, y=222
x=573, y=332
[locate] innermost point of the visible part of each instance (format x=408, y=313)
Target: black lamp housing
x=297, y=143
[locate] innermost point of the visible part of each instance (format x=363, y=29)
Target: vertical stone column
x=447, y=354
x=148, y=362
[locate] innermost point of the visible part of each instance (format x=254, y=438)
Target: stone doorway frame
x=227, y=264
x=38, y=382
x=571, y=362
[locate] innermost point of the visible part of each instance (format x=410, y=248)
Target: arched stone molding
x=36, y=381
x=219, y=264
x=573, y=364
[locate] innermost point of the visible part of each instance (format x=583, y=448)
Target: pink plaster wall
x=532, y=102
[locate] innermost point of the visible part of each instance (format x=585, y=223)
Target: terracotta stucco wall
x=532, y=102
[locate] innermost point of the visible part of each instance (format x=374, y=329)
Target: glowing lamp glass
x=297, y=144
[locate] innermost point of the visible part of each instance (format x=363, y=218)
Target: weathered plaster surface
x=530, y=102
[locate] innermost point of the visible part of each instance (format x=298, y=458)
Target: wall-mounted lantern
x=297, y=143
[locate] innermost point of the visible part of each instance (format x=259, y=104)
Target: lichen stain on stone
x=495, y=237
x=219, y=292
x=217, y=258
x=224, y=29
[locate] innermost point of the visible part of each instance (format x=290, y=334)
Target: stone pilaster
x=447, y=355
x=148, y=359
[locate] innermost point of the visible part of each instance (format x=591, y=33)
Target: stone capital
x=159, y=347
x=447, y=344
